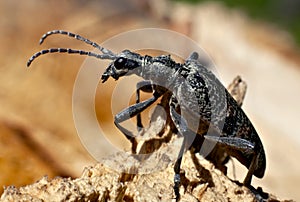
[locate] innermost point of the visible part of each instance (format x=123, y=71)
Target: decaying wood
x=145, y=179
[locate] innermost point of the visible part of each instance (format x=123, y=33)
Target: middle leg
x=182, y=127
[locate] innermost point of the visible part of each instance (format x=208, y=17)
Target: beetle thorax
x=160, y=70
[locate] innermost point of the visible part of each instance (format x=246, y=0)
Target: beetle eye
x=120, y=63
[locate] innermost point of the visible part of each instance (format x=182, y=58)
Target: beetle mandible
x=236, y=136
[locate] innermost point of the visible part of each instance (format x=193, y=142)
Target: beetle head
x=124, y=63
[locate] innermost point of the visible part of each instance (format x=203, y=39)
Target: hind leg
x=238, y=145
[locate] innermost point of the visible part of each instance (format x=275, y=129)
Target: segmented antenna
x=78, y=37
x=65, y=50
x=107, y=54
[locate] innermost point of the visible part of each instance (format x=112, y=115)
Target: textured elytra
x=199, y=105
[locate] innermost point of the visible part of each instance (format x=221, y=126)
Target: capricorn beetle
x=195, y=90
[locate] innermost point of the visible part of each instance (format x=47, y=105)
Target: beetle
x=199, y=104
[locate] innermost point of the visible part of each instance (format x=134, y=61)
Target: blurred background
x=258, y=40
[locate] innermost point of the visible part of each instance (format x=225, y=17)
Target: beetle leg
x=248, y=178
x=145, y=86
x=193, y=56
x=130, y=112
x=177, y=169
x=181, y=125
x=242, y=145
x=233, y=142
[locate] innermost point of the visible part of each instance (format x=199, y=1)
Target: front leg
x=145, y=86
x=130, y=112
